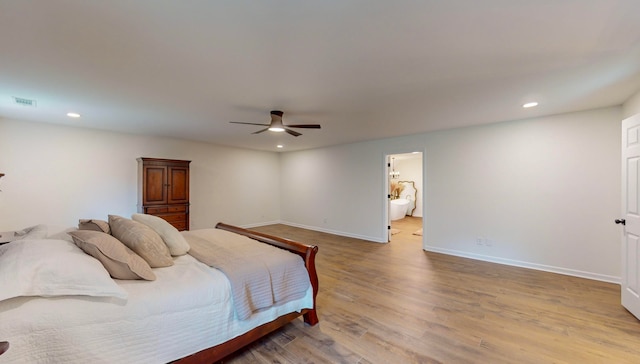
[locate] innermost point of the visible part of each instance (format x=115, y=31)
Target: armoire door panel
x=155, y=191
x=178, y=185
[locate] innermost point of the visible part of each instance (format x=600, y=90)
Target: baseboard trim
x=265, y=223
x=334, y=232
x=462, y=254
x=521, y=264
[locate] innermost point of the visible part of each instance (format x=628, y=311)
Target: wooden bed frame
x=308, y=253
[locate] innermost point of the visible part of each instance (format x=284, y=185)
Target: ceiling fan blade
x=239, y=122
x=306, y=126
x=260, y=131
x=292, y=132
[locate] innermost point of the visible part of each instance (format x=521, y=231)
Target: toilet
x=398, y=208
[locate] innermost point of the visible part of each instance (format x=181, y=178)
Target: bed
x=185, y=315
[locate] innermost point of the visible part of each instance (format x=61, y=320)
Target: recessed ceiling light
x=530, y=104
x=73, y=115
x=279, y=146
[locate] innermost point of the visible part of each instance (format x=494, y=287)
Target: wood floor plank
x=395, y=303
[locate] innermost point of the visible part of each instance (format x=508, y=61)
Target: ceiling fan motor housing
x=276, y=121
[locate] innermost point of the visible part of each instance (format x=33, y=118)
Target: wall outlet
x=481, y=241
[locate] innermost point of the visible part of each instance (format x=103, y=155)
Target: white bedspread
x=151, y=326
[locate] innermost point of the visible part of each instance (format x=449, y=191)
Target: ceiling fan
x=277, y=125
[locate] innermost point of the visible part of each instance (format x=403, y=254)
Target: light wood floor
x=395, y=303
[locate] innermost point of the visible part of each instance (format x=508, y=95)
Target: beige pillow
x=142, y=240
x=96, y=225
x=120, y=261
x=170, y=235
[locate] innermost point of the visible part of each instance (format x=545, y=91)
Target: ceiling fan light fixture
x=276, y=121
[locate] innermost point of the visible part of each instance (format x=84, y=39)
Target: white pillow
x=52, y=268
x=176, y=243
x=32, y=232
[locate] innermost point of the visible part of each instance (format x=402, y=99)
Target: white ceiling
x=363, y=69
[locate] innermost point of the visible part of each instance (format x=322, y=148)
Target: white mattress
x=151, y=326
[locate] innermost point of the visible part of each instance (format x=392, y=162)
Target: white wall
x=544, y=191
x=57, y=175
x=631, y=106
x=338, y=190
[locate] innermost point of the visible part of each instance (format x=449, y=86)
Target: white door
x=631, y=214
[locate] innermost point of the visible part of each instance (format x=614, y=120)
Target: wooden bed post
x=311, y=316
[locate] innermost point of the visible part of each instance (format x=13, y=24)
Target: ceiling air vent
x=24, y=102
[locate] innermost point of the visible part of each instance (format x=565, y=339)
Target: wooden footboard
x=308, y=253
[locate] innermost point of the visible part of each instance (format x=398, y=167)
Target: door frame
x=386, y=218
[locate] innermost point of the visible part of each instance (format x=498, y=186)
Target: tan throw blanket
x=261, y=275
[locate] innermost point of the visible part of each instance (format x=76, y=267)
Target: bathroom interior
x=405, y=189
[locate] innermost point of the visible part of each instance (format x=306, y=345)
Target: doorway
x=405, y=182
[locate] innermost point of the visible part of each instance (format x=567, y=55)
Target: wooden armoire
x=163, y=190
